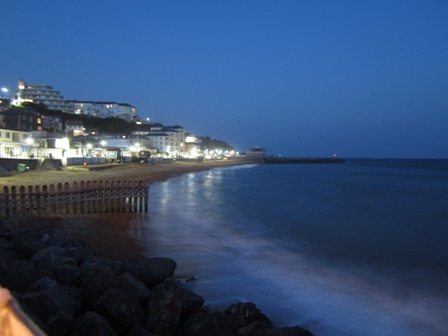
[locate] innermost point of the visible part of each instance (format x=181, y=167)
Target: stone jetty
x=291, y=160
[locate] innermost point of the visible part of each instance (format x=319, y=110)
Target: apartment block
x=167, y=139
x=103, y=109
x=39, y=94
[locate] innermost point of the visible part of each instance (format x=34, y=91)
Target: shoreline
x=107, y=233
x=156, y=172
x=109, y=236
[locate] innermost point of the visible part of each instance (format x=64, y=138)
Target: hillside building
x=103, y=109
x=53, y=100
x=21, y=120
x=39, y=94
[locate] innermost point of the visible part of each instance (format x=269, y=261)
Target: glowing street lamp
x=5, y=91
x=89, y=148
x=33, y=145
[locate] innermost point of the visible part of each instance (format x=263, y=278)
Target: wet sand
x=106, y=233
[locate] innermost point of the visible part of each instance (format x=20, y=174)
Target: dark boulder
x=50, y=303
x=123, y=303
x=52, y=237
x=5, y=232
x=20, y=274
x=138, y=330
x=97, y=275
x=56, y=260
x=120, y=309
x=295, y=331
x=245, y=313
x=27, y=244
x=7, y=256
x=5, y=244
x=60, y=323
x=66, y=275
x=74, y=248
x=258, y=329
x=203, y=322
x=134, y=288
x=150, y=271
x=169, y=305
x=78, y=249
x=92, y=324
x=261, y=329
x=76, y=294
x=51, y=255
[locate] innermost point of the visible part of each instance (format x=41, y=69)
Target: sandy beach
x=128, y=171
x=106, y=233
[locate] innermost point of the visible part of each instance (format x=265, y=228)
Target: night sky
x=300, y=78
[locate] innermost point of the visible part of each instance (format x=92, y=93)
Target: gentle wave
x=269, y=234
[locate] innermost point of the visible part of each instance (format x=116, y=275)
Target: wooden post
x=5, y=211
x=78, y=197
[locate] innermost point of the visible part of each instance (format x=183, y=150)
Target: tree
x=210, y=144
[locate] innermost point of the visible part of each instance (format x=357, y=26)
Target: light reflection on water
x=225, y=228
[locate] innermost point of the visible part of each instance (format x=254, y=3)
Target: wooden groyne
x=77, y=197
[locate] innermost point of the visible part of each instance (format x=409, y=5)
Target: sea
x=357, y=248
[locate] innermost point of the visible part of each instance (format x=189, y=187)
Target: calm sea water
x=347, y=249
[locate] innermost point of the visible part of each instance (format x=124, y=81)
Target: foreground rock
x=67, y=290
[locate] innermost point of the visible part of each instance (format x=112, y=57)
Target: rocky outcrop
x=67, y=290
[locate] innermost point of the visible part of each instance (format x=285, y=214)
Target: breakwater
x=63, y=288
x=287, y=160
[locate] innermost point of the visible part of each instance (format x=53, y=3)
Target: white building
x=13, y=143
x=53, y=100
x=39, y=93
x=168, y=140
x=102, y=109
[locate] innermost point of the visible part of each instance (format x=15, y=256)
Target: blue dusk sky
x=300, y=78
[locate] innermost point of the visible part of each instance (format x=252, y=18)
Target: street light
x=89, y=149
x=32, y=145
x=5, y=91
